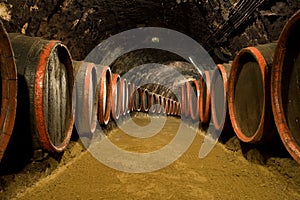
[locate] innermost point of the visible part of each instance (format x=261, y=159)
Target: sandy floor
x=223, y=174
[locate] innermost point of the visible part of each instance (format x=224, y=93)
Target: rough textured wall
x=214, y=23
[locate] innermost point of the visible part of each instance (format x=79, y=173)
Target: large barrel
x=131, y=89
x=86, y=97
x=184, y=101
x=104, y=94
x=8, y=90
x=249, y=94
x=219, y=89
x=204, y=98
x=46, y=80
x=285, y=86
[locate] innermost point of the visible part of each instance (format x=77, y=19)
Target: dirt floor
x=226, y=173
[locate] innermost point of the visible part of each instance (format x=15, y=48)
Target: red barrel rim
x=276, y=79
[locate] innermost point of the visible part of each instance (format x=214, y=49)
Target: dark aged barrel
x=8, y=90
x=204, y=98
x=115, y=100
x=86, y=101
x=178, y=109
x=104, y=94
x=219, y=89
x=193, y=95
x=249, y=94
x=285, y=86
x=46, y=72
x=170, y=107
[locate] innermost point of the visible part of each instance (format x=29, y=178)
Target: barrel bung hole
x=249, y=95
x=290, y=90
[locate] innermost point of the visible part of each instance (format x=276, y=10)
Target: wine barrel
x=152, y=103
x=123, y=96
x=193, y=96
x=137, y=106
x=115, y=100
x=204, y=98
x=184, y=102
x=144, y=97
x=285, y=90
x=219, y=89
x=86, y=97
x=46, y=77
x=131, y=89
x=104, y=94
x=160, y=104
x=8, y=87
x=249, y=94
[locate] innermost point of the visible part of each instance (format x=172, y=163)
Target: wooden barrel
x=204, y=98
x=178, y=109
x=46, y=77
x=86, y=97
x=131, y=89
x=124, y=96
x=249, y=94
x=115, y=100
x=219, y=89
x=193, y=95
x=152, y=102
x=137, y=106
x=285, y=85
x=161, y=104
x=184, y=102
x=8, y=90
x=144, y=100
x=104, y=94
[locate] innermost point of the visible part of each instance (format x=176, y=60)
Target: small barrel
x=161, y=104
x=115, y=100
x=123, y=96
x=219, y=89
x=144, y=100
x=46, y=80
x=178, y=109
x=193, y=95
x=86, y=97
x=104, y=94
x=204, y=98
x=8, y=87
x=170, y=107
x=131, y=89
x=184, y=102
x=285, y=86
x=137, y=106
x=249, y=94
x=151, y=102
